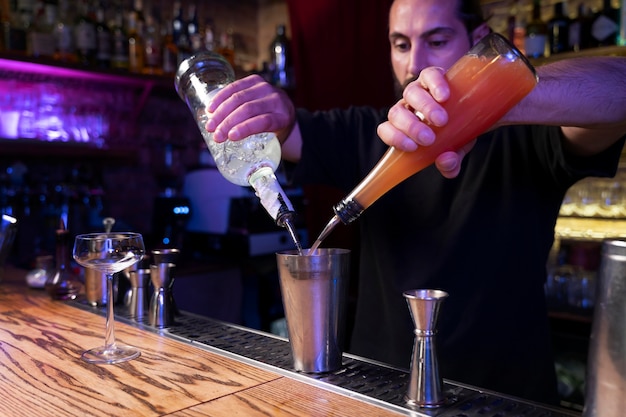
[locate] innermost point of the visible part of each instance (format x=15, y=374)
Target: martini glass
x=109, y=253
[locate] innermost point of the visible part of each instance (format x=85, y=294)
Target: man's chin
x=399, y=87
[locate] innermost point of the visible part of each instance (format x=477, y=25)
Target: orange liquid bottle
x=484, y=85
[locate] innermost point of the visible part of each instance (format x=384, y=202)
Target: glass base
x=110, y=355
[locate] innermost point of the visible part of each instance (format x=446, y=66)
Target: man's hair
x=470, y=12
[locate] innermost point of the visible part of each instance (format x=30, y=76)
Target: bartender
x=478, y=225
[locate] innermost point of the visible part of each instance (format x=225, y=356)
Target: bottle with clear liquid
x=63, y=284
x=484, y=85
x=248, y=162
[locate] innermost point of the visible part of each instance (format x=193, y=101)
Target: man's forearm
x=587, y=96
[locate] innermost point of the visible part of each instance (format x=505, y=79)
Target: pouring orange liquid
x=484, y=85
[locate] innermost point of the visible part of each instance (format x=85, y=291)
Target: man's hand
x=249, y=106
x=410, y=119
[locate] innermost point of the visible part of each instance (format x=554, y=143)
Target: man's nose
x=417, y=62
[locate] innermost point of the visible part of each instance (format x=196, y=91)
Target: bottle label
x=603, y=27
x=85, y=37
x=574, y=35
x=42, y=44
x=272, y=196
x=104, y=45
x=535, y=45
x=152, y=53
x=64, y=39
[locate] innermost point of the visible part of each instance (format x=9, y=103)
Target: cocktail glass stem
x=109, y=337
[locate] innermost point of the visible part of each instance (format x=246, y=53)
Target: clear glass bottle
x=248, y=162
x=63, y=284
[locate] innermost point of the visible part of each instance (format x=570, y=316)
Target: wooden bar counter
x=195, y=367
x=42, y=373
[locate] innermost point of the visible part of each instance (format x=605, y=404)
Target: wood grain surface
x=41, y=373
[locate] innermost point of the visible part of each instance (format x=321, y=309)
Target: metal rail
x=360, y=378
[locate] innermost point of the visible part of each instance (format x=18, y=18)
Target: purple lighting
x=59, y=104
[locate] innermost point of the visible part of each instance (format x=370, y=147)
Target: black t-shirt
x=483, y=237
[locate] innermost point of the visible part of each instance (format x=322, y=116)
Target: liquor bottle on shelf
x=605, y=27
x=64, y=34
x=21, y=17
x=64, y=284
x=621, y=40
x=517, y=27
x=536, y=40
x=169, y=51
x=104, y=38
x=85, y=34
x=280, y=59
x=580, y=29
x=558, y=30
x=119, y=43
x=193, y=30
x=227, y=46
x=152, y=46
x=136, y=49
x=179, y=33
x=209, y=35
x=40, y=37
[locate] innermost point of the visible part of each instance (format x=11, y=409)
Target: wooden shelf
x=43, y=149
x=601, y=51
x=594, y=229
x=42, y=69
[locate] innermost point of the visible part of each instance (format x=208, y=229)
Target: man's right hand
x=248, y=106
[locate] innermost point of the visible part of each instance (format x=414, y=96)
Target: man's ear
x=480, y=32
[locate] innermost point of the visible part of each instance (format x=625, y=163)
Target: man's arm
x=586, y=96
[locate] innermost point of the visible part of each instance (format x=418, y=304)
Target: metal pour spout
x=426, y=385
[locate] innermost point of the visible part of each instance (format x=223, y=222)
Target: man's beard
x=399, y=87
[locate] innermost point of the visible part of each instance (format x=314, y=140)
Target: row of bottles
x=40, y=196
x=539, y=37
x=120, y=34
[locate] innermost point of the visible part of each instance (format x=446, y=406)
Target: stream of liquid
x=330, y=226
x=294, y=236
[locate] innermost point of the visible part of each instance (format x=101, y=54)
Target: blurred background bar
x=91, y=127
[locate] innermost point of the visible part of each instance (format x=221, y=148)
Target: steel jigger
x=426, y=385
x=165, y=256
x=162, y=308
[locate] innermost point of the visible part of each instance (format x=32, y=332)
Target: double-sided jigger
x=426, y=385
x=162, y=307
x=139, y=282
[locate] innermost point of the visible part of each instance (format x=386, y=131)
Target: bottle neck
x=272, y=196
x=62, y=251
x=348, y=210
